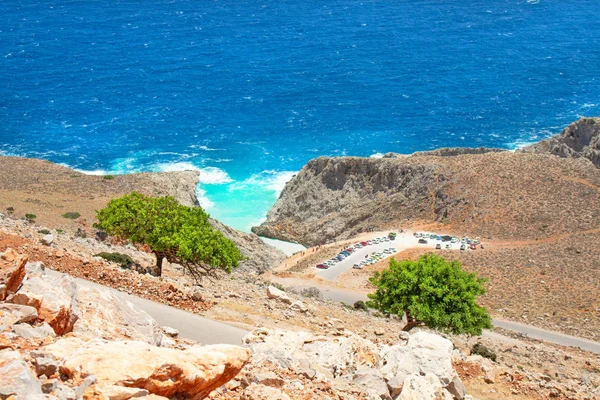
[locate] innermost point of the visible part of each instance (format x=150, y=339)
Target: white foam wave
x=88, y=172
x=177, y=167
x=214, y=176
x=203, y=200
x=376, y=155
x=271, y=180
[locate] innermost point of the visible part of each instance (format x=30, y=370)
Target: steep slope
x=580, y=139
x=47, y=190
x=501, y=195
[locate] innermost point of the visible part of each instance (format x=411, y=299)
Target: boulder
x=424, y=353
x=12, y=277
x=35, y=269
x=63, y=392
x=11, y=314
x=196, y=294
x=165, y=372
x=16, y=379
x=107, y=315
x=274, y=293
x=46, y=366
x=457, y=389
x=489, y=376
x=47, y=239
x=298, y=306
x=262, y=392
x=268, y=378
x=27, y=331
x=395, y=386
x=62, y=348
x=329, y=356
x=418, y=387
x=49, y=386
x=171, y=332
x=9, y=255
x=372, y=383
x=114, y=392
x=54, y=298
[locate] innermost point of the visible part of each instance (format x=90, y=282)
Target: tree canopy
x=431, y=291
x=181, y=234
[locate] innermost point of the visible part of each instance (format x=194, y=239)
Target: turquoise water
x=247, y=92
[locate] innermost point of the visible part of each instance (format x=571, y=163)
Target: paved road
x=189, y=325
x=349, y=297
x=207, y=331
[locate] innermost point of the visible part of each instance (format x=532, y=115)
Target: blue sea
x=248, y=91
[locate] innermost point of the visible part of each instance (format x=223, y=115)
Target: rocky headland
x=49, y=191
x=581, y=139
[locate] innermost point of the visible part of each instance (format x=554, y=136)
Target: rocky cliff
x=47, y=190
x=581, y=139
x=493, y=194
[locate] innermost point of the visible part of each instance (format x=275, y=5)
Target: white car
x=357, y=266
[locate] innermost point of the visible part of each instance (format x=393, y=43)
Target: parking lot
x=403, y=241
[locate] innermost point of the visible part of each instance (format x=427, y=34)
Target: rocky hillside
x=48, y=191
x=62, y=341
x=499, y=195
x=581, y=139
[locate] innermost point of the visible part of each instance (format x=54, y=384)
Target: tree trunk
x=411, y=325
x=159, y=261
x=410, y=322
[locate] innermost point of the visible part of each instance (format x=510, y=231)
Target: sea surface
x=248, y=91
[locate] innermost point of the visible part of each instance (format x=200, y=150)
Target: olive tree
x=174, y=232
x=431, y=291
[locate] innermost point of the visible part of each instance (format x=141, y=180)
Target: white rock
x=172, y=332
x=274, y=293
x=298, y=306
x=47, y=239
x=16, y=378
x=424, y=353
x=417, y=387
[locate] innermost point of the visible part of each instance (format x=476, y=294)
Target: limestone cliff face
x=492, y=194
x=581, y=139
x=333, y=198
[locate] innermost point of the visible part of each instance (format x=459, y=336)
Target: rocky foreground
x=60, y=340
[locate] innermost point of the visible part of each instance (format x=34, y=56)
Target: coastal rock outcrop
x=496, y=194
x=581, y=139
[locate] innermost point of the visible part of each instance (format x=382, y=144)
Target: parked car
x=447, y=246
x=364, y=244
x=357, y=266
x=422, y=241
x=438, y=246
x=322, y=266
x=463, y=247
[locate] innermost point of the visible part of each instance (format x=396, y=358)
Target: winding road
x=349, y=297
x=190, y=326
x=207, y=331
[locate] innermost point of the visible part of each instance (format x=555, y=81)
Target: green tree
x=431, y=291
x=180, y=234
